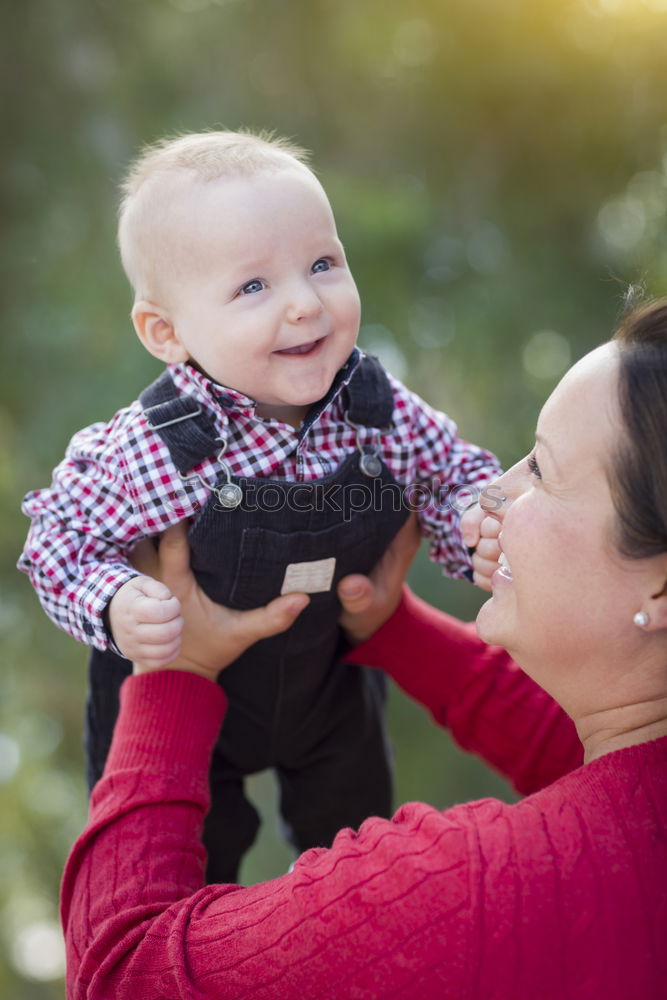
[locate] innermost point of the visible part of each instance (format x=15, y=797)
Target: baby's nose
x=303, y=303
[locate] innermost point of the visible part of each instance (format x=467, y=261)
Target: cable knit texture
x=562, y=895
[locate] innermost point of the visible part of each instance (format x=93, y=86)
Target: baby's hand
x=471, y=520
x=486, y=555
x=480, y=533
x=146, y=622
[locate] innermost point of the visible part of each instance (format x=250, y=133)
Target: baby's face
x=265, y=302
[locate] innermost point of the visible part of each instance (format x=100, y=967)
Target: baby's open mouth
x=308, y=348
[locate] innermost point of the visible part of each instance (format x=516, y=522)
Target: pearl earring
x=641, y=619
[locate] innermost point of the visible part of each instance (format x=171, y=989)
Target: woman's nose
x=497, y=496
x=493, y=498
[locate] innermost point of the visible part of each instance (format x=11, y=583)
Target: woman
x=560, y=895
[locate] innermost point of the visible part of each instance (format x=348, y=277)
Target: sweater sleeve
x=490, y=706
x=366, y=918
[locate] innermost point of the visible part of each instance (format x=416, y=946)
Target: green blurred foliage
x=498, y=172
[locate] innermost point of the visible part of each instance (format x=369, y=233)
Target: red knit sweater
x=561, y=895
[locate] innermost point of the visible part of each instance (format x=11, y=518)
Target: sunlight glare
x=620, y=7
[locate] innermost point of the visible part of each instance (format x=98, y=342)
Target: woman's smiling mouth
x=503, y=575
x=504, y=566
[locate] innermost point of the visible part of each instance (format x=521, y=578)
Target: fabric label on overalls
x=313, y=577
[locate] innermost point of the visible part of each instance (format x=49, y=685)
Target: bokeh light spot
x=378, y=340
x=487, y=249
x=50, y=793
x=546, y=355
x=38, y=734
x=622, y=221
x=414, y=42
x=38, y=952
x=10, y=757
x=432, y=325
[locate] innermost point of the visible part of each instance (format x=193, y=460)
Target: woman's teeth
x=504, y=565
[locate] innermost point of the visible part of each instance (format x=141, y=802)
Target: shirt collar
x=188, y=378
x=341, y=379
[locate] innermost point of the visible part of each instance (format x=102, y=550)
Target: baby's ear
x=156, y=332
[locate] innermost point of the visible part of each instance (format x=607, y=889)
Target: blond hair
x=205, y=157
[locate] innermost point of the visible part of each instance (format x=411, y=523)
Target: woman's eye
x=321, y=265
x=534, y=467
x=252, y=286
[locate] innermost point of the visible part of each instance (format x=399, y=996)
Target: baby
x=292, y=453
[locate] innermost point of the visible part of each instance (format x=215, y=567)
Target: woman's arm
x=489, y=705
x=394, y=909
x=390, y=910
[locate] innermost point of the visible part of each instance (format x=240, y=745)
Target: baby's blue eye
x=321, y=265
x=252, y=286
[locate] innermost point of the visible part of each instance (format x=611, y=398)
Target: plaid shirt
x=118, y=484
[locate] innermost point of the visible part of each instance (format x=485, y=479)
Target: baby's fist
x=486, y=555
x=471, y=520
x=145, y=621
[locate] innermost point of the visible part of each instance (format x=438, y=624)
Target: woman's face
x=566, y=593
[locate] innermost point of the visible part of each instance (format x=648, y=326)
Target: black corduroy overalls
x=292, y=705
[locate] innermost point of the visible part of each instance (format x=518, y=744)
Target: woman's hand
x=213, y=636
x=369, y=601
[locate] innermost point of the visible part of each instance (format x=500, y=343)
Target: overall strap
x=187, y=431
x=368, y=398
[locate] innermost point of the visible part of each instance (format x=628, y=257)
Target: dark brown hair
x=638, y=474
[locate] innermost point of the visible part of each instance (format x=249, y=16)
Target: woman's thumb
x=174, y=552
x=275, y=617
x=355, y=593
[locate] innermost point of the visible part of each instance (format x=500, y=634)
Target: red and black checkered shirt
x=117, y=484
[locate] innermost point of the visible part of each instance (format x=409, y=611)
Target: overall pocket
x=265, y=555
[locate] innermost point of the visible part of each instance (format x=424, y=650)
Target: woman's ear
x=157, y=333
